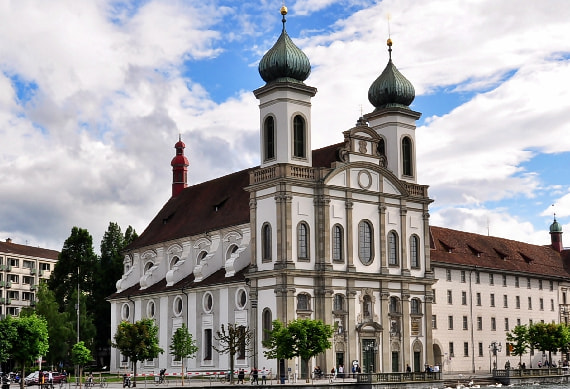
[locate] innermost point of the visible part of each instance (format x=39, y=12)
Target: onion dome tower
x=179, y=168
x=391, y=88
x=285, y=103
x=391, y=95
x=556, y=235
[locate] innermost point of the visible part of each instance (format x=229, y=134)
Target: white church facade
x=340, y=234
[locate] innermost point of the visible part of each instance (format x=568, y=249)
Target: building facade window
x=479, y=323
x=414, y=251
x=448, y=274
x=451, y=350
x=208, y=302
x=504, y=280
x=338, y=303
x=434, y=321
x=465, y=349
x=303, y=302
x=266, y=242
x=480, y=347
x=530, y=303
x=365, y=244
x=303, y=241
x=407, y=162
x=492, y=299
x=507, y=324
x=528, y=283
x=299, y=137
x=491, y=279
x=517, y=282
x=415, y=306
x=541, y=304
x=207, y=344
x=450, y=322
x=477, y=277
x=463, y=298
x=463, y=276
x=267, y=323
x=394, y=305
x=478, y=297
x=539, y=284
x=337, y=243
x=465, y=323
x=392, y=248
x=505, y=301
x=517, y=302
x=449, y=296
x=269, y=138
x=493, y=324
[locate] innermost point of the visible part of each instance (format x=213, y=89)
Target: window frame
x=365, y=242
x=303, y=244
x=337, y=243
x=269, y=138
x=393, y=249
x=299, y=137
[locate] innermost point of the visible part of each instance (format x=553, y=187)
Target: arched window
x=208, y=302
x=392, y=248
x=269, y=138
x=415, y=306
x=232, y=249
x=337, y=243
x=407, y=163
x=414, y=251
x=303, y=241
x=338, y=302
x=148, y=266
x=303, y=302
x=367, y=307
x=241, y=298
x=365, y=246
x=150, y=309
x=266, y=242
x=394, y=305
x=267, y=323
x=177, y=306
x=299, y=137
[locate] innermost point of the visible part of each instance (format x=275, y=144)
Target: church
x=339, y=234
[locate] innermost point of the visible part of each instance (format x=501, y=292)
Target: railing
x=416, y=190
x=282, y=171
x=514, y=373
x=398, y=377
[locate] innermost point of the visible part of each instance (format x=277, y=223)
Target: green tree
x=304, y=338
x=31, y=341
x=109, y=266
x=234, y=341
x=58, y=324
x=518, y=339
x=7, y=335
x=183, y=346
x=549, y=337
x=138, y=341
x=75, y=267
x=80, y=355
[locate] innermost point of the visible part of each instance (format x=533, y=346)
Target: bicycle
x=103, y=383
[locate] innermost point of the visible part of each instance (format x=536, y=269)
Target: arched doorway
x=417, y=356
x=437, y=355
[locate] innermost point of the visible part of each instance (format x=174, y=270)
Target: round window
x=177, y=307
x=208, y=302
x=126, y=312
x=241, y=298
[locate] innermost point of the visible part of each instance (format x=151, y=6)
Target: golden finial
x=283, y=10
x=389, y=42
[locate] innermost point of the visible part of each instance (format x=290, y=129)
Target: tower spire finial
x=389, y=41
x=283, y=12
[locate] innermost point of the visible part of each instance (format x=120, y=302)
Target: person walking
x=263, y=376
x=254, y=376
x=241, y=376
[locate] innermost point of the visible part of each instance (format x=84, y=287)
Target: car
x=33, y=378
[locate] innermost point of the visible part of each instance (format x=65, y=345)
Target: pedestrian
x=241, y=376
x=254, y=376
x=41, y=378
x=264, y=376
x=353, y=371
x=358, y=370
x=408, y=368
x=340, y=371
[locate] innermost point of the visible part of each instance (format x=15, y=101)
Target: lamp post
x=494, y=348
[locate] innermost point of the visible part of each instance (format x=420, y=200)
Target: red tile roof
x=467, y=249
x=20, y=249
x=211, y=205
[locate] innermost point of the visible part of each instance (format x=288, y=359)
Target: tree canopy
x=518, y=339
x=233, y=339
x=183, y=346
x=80, y=355
x=138, y=341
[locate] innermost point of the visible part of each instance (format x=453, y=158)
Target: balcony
x=33, y=270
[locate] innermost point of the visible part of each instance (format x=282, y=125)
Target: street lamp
x=494, y=348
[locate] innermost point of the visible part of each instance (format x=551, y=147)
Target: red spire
x=179, y=168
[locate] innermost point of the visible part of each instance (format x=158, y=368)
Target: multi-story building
x=22, y=268
x=339, y=234
x=485, y=287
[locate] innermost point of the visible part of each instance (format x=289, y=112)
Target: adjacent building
x=22, y=268
x=339, y=234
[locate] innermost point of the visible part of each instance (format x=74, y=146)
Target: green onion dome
x=284, y=61
x=555, y=226
x=391, y=88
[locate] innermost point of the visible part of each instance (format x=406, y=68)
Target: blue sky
x=94, y=94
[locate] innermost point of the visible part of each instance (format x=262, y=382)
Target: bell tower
x=179, y=168
x=285, y=103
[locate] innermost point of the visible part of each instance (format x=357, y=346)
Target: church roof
x=211, y=205
x=452, y=247
x=20, y=249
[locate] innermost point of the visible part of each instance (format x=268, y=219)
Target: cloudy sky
x=93, y=95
